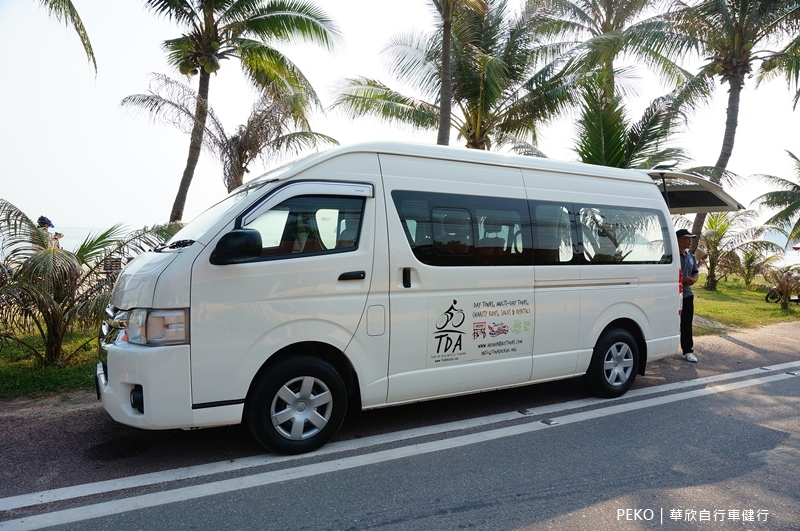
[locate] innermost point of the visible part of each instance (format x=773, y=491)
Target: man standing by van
x=690, y=276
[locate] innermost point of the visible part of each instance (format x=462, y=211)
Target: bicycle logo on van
x=448, y=334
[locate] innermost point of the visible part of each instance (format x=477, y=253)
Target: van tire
x=615, y=363
x=297, y=405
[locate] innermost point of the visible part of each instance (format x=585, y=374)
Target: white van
x=383, y=274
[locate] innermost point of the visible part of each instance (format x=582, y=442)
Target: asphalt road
x=723, y=461
x=50, y=445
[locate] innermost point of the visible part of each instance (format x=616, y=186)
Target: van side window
x=452, y=232
x=310, y=224
x=612, y=234
x=497, y=233
x=463, y=230
x=554, y=238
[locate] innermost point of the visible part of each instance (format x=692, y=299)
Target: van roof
x=683, y=193
x=462, y=154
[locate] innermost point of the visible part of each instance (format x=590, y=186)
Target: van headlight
x=157, y=327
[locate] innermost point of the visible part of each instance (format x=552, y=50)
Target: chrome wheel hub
x=301, y=408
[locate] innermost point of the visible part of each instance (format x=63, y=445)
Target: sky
x=70, y=152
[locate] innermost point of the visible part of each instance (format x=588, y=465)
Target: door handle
x=353, y=275
x=406, y=277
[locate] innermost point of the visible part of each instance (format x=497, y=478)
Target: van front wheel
x=297, y=405
x=615, y=362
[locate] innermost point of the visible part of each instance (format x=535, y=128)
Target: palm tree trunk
x=56, y=328
x=446, y=90
x=195, y=146
x=731, y=122
x=237, y=182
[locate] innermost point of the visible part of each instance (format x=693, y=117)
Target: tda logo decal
x=448, y=333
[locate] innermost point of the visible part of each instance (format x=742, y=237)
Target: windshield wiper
x=174, y=245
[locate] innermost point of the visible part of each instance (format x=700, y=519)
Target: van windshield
x=202, y=223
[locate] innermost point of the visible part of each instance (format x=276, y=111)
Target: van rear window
x=612, y=234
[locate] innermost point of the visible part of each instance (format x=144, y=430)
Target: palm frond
x=413, y=58
x=601, y=132
x=714, y=174
x=786, y=198
x=274, y=72
x=64, y=10
x=291, y=21
x=369, y=97
x=173, y=103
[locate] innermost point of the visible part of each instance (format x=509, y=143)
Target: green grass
x=731, y=306
x=21, y=376
x=734, y=306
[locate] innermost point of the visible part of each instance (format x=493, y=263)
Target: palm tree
x=786, y=197
x=65, y=10
x=727, y=234
x=274, y=127
x=49, y=292
x=606, y=137
x=498, y=94
x=216, y=30
x=752, y=263
x=595, y=34
x=732, y=35
x=268, y=131
x=446, y=10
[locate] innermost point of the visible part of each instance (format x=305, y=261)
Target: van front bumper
x=147, y=387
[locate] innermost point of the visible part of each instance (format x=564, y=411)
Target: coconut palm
x=733, y=36
x=606, y=137
x=272, y=130
x=247, y=30
x=446, y=10
x=727, y=234
x=752, y=263
x=598, y=34
x=498, y=95
x=785, y=197
x=47, y=292
x=275, y=126
x=65, y=10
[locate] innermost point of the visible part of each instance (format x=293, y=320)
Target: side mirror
x=236, y=246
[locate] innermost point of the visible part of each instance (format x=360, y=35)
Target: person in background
x=690, y=276
x=44, y=224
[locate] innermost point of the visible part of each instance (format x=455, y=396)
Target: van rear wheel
x=615, y=362
x=297, y=405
